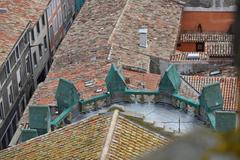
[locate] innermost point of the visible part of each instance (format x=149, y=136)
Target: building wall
x=40, y=60
x=21, y=87
x=68, y=13
x=55, y=23
x=210, y=21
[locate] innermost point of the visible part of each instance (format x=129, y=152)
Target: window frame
x=2, y=110
x=35, y=62
x=53, y=5
x=43, y=20
x=45, y=42
x=40, y=51
x=17, y=54
x=8, y=67
x=38, y=27
x=19, y=80
x=10, y=93
x=32, y=35
x=28, y=61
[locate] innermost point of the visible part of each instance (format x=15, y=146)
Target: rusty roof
x=87, y=140
x=15, y=20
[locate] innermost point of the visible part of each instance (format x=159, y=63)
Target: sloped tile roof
x=226, y=71
x=82, y=140
x=182, y=57
x=83, y=53
x=131, y=141
x=162, y=19
x=229, y=86
x=137, y=80
x=206, y=37
x=86, y=139
x=15, y=20
x=219, y=49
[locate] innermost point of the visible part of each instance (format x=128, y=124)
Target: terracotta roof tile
x=206, y=37
x=182, y=57
x=162, y=18
x=83, y=53
x=222, y=49
x=14, y=21
x=131, y=141
x=229, y=86
x=86, y=140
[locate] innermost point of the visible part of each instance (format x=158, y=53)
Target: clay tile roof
x=182, y=57
x=83, y=54
x=162, y=19
x=222, y=49
x=109, y=134
x=229, y=86
x=15, y=20
x=206, y=37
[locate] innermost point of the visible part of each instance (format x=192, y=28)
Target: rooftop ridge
x=115, y=26
x=109, y=135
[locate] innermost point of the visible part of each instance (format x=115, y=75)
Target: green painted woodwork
x=171, y=81
x=27, y=134
x=187, y=100
x=211, y=98
x=39, y=118
x=225, y=121
x=94, y=98
x=115, y=81
x=141, y=92
x=66, y=94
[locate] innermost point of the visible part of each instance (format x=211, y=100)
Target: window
x=17, y=53
x=59, y=18
x=10, y=93
x=32, y=34
x=35, y=59
x=40, y=50
x=28, y=65
x=2, y=115
x=45, y=42
x=58, y=2
x=8, y=67
x=200, y=47
x=38, y=27
x=12, y=60
x=53, y=5
x=26, y=38
x=49, y=11
x=55, y=29
x=19, y=78
x=43, y=20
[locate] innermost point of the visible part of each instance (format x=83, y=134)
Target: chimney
x=143, y=37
